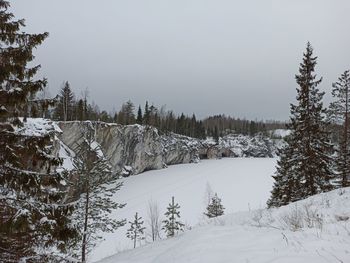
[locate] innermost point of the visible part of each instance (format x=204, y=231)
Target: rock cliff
x=130, y=149
x=134, y=149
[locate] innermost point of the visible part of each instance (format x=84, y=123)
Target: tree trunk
x=83, y=250
x=346, y=125
x=135, y=239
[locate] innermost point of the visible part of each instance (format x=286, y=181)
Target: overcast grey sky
x=237, y=57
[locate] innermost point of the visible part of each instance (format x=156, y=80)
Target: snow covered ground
x=315, y=230
x=242, y=183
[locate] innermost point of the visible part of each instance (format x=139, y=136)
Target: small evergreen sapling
x=98, y=185
x=215, y=208
x=172, y=224
x=136, y=230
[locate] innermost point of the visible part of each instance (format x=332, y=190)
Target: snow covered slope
x=314, y=230
x=242, y=183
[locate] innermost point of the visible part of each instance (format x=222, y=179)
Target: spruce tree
x=97, y=185
x=139, y=116
x=172, y=224
x=305, y=165
x=136, y=230
x=80, y=110
x=215, y=208
x=64, y=110
x=339, y=111
x=283, y=183
x=126, y=114
x=216, y=136
x=33, y=216
x=147, y=115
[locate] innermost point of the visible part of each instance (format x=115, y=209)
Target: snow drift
x=314, y=230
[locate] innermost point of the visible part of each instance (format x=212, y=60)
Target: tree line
x=68, y=107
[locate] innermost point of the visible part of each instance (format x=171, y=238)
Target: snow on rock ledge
x=133, y=149
x=130, y=149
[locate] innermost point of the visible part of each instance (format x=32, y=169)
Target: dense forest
x=66, y=106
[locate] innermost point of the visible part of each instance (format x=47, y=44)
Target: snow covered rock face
x=132, y=146
x=130, y=149
x=133, y=149
x=179, y=149
x=237, y=145
x=46, y=130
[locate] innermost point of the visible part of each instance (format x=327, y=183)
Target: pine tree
x=147, y=115
x=339, y=111
x=284, y=183
x=216, y=136
x=136, y=230
x=172, y=224
x=80, y=110
x=139, y=116
x=33, y=215
x=64, y=110
x=215, y=208
x=126, y=114
x=305, y=165
x=193, y=126
x=153, y=116
x=95, y=205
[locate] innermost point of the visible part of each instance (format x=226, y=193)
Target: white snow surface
x=260, y=236
x=67, y=156
x=241, y=183
x=38, y=127
x=280, y=133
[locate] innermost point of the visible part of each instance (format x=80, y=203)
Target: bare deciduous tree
x=208, y=195
x=154, y=220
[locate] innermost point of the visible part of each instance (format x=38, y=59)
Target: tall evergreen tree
x=339, y=110
x=65, y=108
x=215, y=208
x=305, y=169
x=216, y=136
x=172, y=224
x=139, y=116
x=147, y=115
x=283, y=190
x=136, y=230
x=126, y=114
x=95, y=205
x=33, y=216
x=80, y=110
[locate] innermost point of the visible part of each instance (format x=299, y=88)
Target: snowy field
x=242, y=184
x=315, y=230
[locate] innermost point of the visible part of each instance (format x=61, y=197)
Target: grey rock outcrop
x=130, y=149
x=179, y=149
x=133, y=149
x=238, y=145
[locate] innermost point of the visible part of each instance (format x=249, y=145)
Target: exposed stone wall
x=133, y=149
